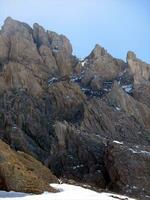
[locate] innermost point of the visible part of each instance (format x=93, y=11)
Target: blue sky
x=117, y=25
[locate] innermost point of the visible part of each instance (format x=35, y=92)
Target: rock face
x=111, y=123
x=100, y=66
x=141, y=93
x=62, y=51
x=22, y=173
x=54, y=46
x=77, y=156
x=23, y=128
x=128, y=168
x=123, y=101
x=69, y=98
x=16, y=76
x=102, y=62
x=32, y=54
x=67, y=114
x=140, y=69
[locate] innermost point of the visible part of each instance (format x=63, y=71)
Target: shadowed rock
x=128, y=104
x=128, y=168
x=77, y=155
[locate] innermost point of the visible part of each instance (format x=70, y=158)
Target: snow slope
x=67, y=192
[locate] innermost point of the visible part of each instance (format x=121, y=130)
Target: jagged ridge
x=67, y=113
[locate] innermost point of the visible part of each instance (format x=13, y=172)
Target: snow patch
x=140, y=152
x=106, y=89
x=127, y=88
x=117, y=142
x=83, y=62
x=55, y=50
x=67, y=97
x=117, y=108
x=147, y=196
x=78, y=166
x=134, y=187
x=67, y=192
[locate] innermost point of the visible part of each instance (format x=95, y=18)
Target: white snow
x=67, y=97
x=133, y=151
x=67, y=192
x=85, y=89
x=14, y=127
x=55, y=50
x=78, y=166
x=147, y=196
x=140, y=151
x=115, y=141
x=145, y=152
x=118, y=108
x=134, y=187
x=127, y=88
x=52, y=80
x=75, y=78
x=83, y=62
x=106, y=89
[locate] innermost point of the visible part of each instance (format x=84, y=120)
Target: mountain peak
x=131, y=55
x=8, y=19
x=99, y=51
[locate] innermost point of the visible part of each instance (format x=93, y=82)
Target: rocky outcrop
x=32, y=55
x=49, y=60
x=141, y=93
x=23, y=128
x=111, y=123
x=139, y=69
x=77, y=155
x=21, y=45
x=100, y=66
x=22, y=173
x=55, y=47
x=128, y=168
x=18, y=76
x=4, y=50
x=102, y=62
x=67, y=97
x=28, y=120
x=62, y=51
x=118, y=98
x=23, y=62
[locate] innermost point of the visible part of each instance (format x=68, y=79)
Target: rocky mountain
x=87, y=121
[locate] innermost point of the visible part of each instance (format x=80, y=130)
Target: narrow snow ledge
x=140, y=152
x=117, y=142
x=67, y=192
